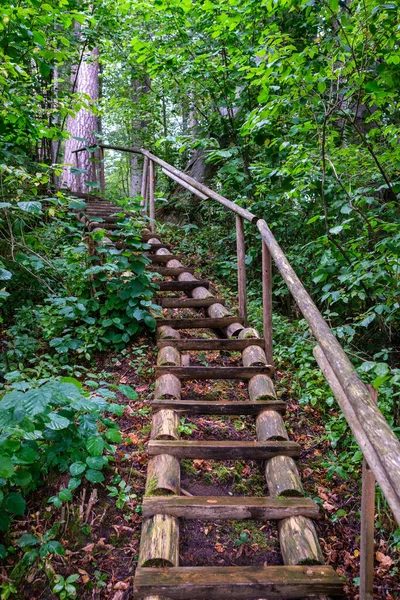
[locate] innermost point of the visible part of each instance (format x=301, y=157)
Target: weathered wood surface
x=248, y=332
x=261, y=388
x=165, y=425
x=167, y=386
x=299, y=542
x=188, y=302
x=148, y=236
x=159, y=542
x=270, y=426
x=266, y=271
x=253, y=355
x=219, y=407
x=169, y=271
x=226, y=450
x=283, y=477
x=237, y=583
x=168, y=356
x=214, y=372
x=231, y=345
x=163, y=475
x=374, y=429
x=198, y=322
x=157, y=245
x=159, y=259
x=180, y=286
x=226, y=507
x=164, y=332
x=241, y=268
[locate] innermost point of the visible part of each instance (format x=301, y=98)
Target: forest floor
x=102, y=541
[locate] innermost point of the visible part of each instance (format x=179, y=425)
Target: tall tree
x=83, y=126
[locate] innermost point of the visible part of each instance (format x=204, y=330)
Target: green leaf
x=6, y=467
x=95, y=445
x=321, y=87
x=94, y=476
x=128, y=391
x=55, y=547
x=15, y=504
x=57, y=422
x=96, y=462
x=65, y=495
x=336, y=229
x=31, y=207
x=27, y=540
x=113, y=435
x=5, y=275
x=77, y=468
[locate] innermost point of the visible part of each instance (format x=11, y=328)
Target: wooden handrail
x=376, y=439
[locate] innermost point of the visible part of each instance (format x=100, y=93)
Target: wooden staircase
x=158, y=574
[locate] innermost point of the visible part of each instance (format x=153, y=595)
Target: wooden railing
x=377, y=441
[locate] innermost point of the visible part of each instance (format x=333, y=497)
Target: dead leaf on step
x=219, y=548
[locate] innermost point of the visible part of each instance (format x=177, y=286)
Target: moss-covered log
x=270, y=426
x=163, y=476
x=159, y=542
x=248, y=332
x=253, y=356
x=167, y=386
x=165, y=425
x=261, y=388
x=168, y=356
x=283, y=477
x=299, y=542
x=167, y=333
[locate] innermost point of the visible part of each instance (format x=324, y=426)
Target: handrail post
x=241, y=268
x=367, y=526
x=267, y=300
x=102, y=176
x=144, y=183
x=152, y=211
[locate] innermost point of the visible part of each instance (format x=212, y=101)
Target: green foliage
x=52, y=426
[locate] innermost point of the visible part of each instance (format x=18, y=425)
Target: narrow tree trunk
x=83, y=125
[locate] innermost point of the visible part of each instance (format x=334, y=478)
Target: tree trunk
x=83, y=125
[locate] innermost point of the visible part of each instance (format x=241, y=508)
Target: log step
x=149, y=236
x=170, y=271
x=198, y=322
x=226, y=507
x=219, y=407
x=158, y=245
x=233, y=344
x=237, y=583
x=226, y=450
x=181, y=286
x=188, y=302
x=215, y=372
x=159, y=259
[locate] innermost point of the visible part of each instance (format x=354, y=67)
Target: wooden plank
x=266, y=273
x=180, y=286
x=226, y=450
x=215, y=372
x=199, y=322
x=219, y=407
x=157, y=246
x=367, y=525
x=241, y=268
x=188, y=302
x=237, y=583
x=232, y=345
x=227, y=507
x=149, y=236
x=159, y=259
x=169, y=271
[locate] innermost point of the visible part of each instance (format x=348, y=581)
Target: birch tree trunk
x=83, y=125
x=140, y=87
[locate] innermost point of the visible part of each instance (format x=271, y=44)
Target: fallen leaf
x=384, y=560
x=121, y=585
x=219, y=548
